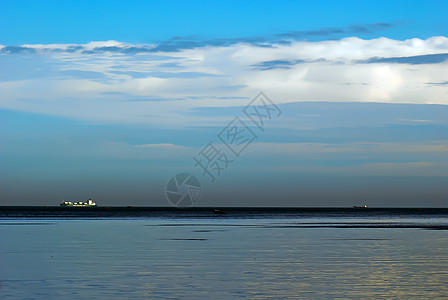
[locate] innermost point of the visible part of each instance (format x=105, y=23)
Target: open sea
x=253, y=253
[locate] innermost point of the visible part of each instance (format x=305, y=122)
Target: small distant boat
x=365, y=206
x=219, y=211
x=89, y=203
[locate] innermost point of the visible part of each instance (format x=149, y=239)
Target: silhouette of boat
x=365, y=206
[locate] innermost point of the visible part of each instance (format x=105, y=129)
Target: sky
x=336, y=103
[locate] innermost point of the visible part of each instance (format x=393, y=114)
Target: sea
x=249, y=253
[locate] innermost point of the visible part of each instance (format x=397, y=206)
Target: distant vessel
x=89, y=203
x=219, y=211
x=365, y=206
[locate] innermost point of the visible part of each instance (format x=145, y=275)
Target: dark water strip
x=207, y=212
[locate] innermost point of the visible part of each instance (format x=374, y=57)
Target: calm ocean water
x=247, y=253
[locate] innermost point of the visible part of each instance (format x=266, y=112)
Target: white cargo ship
x=79, y=204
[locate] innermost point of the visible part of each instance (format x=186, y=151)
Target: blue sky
x=151, y=21
x=109, y=99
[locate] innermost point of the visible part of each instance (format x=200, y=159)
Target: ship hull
x=77, y=205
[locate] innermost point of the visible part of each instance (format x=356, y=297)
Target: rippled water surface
x=224, y=257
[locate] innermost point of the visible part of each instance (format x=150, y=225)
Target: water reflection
x=233, y=258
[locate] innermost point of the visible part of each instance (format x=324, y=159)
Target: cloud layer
x=119, y=82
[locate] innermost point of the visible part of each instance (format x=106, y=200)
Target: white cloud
x=313, y=71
